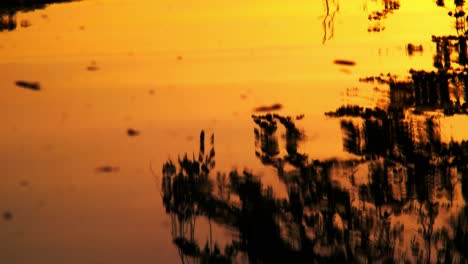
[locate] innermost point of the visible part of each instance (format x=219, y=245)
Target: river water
x=126, y=86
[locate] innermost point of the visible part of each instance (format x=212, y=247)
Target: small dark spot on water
x=25, y=23
x=24, y=183
x=41, y=203
x=189, y=138
x=7, y=215
x=82, y=27
x=267, y=108
x=345, y=62
x=107, y=169
x=93, y=66
x=151, y=92
x=243, y=96
x=179, y=58
x=44, y=16
x=132, y=132
x=29, y=85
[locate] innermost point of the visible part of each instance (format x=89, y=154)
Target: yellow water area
x=169, y=69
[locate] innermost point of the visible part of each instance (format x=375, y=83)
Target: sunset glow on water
x=339, y=127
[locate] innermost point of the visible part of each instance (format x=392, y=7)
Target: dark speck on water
x=267, y=108
x=345, y=62
x=24, y=183
x=107, y=169
x=25, y=23
x=28, y=85
x=132, y=132
x=7, y=216
x=93, y=66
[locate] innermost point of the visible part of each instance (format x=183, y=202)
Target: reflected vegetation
x=328, y=23
x=9, y=8
x=377, y=17
x=401, y=198
x=378, y=11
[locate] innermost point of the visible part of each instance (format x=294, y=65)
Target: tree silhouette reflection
x=320, y=220
x=8, y=10
x=402, y=198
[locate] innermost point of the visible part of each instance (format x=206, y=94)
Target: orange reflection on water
x=170, y=69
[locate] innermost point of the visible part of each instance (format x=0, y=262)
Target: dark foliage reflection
x=9, y=8
x=400, y=199
x=331, y=212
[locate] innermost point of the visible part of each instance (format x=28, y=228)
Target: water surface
x=79, y=188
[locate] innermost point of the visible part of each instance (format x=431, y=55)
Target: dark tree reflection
x=390, y=214
x=377, y=17
x=402, y=198
x=9, y=8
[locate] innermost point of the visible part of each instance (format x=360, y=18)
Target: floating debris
x=179, y=58
x=344, y=62
x=25, y=23
x=7, y=215
x=268, y=108
x=81, y=28
x=107, y=169
x=29, y=85
x=300, y=117
x=133, y=132
x=243, y=96
x=151, y=92
x=93, y=66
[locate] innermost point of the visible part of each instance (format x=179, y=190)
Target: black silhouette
x=9, y=8
x=29, y=85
